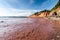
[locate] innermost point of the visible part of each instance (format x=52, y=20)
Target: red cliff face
x=42, y=14
x=57, y=10
x=53, y=13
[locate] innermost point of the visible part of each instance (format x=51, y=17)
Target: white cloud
x=7, y=10
x=16, y=12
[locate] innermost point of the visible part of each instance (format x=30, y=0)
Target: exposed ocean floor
x=29, y=29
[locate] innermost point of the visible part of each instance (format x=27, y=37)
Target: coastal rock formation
x=54, y=12
x=56, y=9
x=44, y=13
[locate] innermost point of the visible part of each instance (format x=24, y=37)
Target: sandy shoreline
x=30, y=29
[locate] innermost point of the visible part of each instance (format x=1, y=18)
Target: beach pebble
x=57, y=36
x=53, y=39
x=2, y=21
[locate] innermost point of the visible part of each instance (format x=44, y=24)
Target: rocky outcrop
x=56, y=9
x=43, y=13
x=54, y=12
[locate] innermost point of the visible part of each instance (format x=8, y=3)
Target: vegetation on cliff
x=38, y=13
x=56, y=6
x=46, y=13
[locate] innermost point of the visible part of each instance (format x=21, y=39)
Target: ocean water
x=14, y=20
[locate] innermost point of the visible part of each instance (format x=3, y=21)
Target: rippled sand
x=29, y=29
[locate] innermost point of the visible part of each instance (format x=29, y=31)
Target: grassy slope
x=56, y=6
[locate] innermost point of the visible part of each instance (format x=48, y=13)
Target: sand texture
x=29, y=29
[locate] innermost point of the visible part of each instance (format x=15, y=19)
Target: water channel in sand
x=29, y=29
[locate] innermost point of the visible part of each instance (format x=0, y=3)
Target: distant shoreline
x=13, y=16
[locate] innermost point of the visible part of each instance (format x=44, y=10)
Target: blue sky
x=24, y=7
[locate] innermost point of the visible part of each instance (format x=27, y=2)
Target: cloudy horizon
x=24, y=7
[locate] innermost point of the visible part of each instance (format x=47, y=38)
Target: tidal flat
x=29, y=29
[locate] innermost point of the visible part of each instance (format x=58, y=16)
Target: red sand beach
x=29, y=29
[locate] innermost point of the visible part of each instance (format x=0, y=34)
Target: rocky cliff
x=55, y=11
x=44, y=13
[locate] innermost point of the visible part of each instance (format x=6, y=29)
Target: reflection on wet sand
x=30, y=29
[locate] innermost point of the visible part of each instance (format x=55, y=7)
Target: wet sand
x=29, y=29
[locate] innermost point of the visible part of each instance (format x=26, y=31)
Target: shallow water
x=28, y=29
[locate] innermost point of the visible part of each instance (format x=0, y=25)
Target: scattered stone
x=2, y=21
x=57, y=36
x=53, y=39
